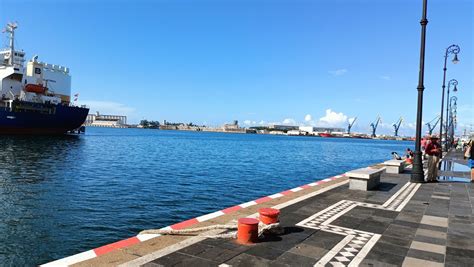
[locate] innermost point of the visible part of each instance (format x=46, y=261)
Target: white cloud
x=308, y=118
x=338, y=72
x=333, y=119
x=252, y=123
x=289, y=121
x=410, y=125
x=465, y=114
x=107, y=107
x=111, y=108
x=385, y=77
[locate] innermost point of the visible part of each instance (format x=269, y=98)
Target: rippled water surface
x=64, y=195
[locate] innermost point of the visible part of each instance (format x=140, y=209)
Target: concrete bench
x=394, y=166
x=364, y=179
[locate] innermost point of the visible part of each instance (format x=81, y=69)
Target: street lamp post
x=417, y=175
x=452, y=49
x=453, y=82
x=453, y=116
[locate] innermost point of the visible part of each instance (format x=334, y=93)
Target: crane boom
x=349, y=126
x=432, y=126
x=396, y=125
x=374, y=126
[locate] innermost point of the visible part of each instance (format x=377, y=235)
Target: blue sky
x=256, y=61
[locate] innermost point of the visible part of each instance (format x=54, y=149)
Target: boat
x=325, y=135
x=36, y=98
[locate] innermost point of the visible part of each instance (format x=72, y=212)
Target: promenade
x=326, y=224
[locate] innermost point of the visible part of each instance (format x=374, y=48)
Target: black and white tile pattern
x=355, y=246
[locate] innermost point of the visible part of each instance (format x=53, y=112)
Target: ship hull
x=325, y=135
x=61, y=121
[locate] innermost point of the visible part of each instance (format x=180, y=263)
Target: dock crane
x=374, y=125
x=350, y=124
x=432, y=124
x=396, y=125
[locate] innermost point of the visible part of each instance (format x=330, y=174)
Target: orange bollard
x=247, y=231
x=269, y=215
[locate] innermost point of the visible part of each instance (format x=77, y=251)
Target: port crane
x=396, y=125
x=432, y=124
x=350, y=124
x=374, y=125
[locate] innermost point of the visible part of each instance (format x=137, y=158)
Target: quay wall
x=298, y=192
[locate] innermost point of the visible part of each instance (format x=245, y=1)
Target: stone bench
x=364, y=179
x=394, y=166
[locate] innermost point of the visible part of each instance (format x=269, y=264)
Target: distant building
x=311, y=129
x=100, y=120
x=233, y=127
x=307, y=129
x=328, y=130
x=293, y=132
x=282, y=127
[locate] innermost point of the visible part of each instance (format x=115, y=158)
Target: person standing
x=433, y=150
x=469, y=154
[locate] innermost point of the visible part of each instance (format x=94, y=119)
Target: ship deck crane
x=374, y=125
x=396, y=126
x=350, y=124
x=432, y=124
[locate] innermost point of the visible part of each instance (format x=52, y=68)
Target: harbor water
x=64, y=195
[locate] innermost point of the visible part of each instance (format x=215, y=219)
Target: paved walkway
x=399, y=224
x=326, y=224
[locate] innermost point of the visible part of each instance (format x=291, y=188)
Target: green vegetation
x=150, y=124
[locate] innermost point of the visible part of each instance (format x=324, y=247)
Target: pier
x=325, y=224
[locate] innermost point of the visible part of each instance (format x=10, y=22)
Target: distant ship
x=35, y=99
x=325, y=135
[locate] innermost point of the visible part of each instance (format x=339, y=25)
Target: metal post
x=448, y=114
x=452, y=49
x=442, y=102
x=452, y=116
x=417, y=175
x=447, y=121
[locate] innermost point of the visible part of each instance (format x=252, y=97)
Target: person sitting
x=409, y=154
x=396, y=156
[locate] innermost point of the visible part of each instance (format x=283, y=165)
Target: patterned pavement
x=398, y=224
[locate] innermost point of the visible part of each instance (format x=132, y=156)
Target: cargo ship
x=35, y=99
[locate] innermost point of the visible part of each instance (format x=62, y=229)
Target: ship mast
x=11, y=30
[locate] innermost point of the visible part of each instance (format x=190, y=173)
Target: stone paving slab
x=434, y=228
x=397, y=224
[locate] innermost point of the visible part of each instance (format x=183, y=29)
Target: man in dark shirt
x=433, y=150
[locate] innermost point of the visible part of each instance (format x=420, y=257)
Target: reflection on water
x=64, y=195
x=454, y=172
x=28, y=210
x=454, y=179
x=449, y=165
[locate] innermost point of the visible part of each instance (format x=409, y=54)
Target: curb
x=93, y=253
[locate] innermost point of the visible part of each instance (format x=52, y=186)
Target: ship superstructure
x=35, y=98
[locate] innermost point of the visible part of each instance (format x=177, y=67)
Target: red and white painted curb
x=93, y=253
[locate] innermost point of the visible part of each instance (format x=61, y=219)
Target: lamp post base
x=417, y=173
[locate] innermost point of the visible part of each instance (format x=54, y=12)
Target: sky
x=319, y=62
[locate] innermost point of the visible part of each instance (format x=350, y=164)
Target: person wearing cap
x=433, y=150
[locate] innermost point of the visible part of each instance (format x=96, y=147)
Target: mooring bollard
x=247, y=231
x=269, y=215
